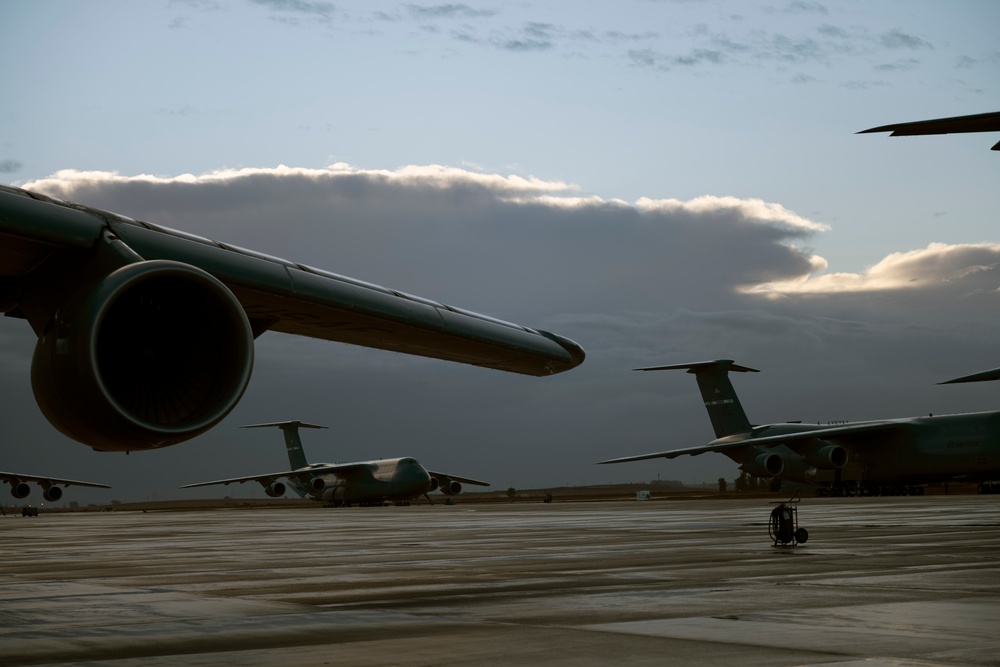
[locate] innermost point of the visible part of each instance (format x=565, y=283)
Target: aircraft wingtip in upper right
x=983, y=376
x=982, y=122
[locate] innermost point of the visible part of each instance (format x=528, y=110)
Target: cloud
x=897, y=39
x=960, y=269
x=657, y=280
x=10, y=166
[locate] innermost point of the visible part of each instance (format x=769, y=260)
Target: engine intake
x=450, y=487
x=764, y=465
x=153, y=354
x=829, y=457
x=19, y=490
x=275, y=490
x=52, y=494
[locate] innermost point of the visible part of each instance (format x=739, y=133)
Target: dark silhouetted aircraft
x=889, y=456
x=145, y=334
x=343, y=484
x=50, y=485
x=982, y=122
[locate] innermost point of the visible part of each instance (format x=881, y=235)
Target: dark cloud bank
x=651, y=282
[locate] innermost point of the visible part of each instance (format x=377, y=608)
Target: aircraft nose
x=413, y=476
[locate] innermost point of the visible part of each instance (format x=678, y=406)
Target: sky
x=662, y=182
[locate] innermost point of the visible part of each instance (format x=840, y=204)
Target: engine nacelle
x=19, y=490
x=435, y=485
x=317, y=484
x=275, y=489
x=450, y=487
x=828, y=457
x=52, y=494
x=764, y=465
x=153, y=354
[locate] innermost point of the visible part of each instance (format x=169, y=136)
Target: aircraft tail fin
x=296, y=455
x=721, y=402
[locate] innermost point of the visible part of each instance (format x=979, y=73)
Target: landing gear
x=988, y=487
x=851, y=488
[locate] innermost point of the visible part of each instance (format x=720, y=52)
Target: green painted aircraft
x=344, y=484
x=883, y=457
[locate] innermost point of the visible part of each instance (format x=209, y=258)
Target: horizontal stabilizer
x=284, y=425
x=694, y=367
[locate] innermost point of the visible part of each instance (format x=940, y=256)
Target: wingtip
x=984, y=376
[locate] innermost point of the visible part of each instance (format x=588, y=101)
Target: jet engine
x=19, y=489
x=828, y=457
x=317, y=484
x=275, y=489
x=764, y=465
x=450, y=487
x=435, y=485
x=52, y=494
x=152, y=354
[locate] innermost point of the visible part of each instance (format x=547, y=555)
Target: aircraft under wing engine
x=145, y=334
x=50, y=485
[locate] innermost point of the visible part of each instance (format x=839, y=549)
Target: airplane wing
x=41, y=479
x=443, y=477
x=146, y=333
x=304, y=474
x=983, y=122
x=843, y=433
x=984, y=376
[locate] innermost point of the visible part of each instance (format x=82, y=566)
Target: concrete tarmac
x=881, y=581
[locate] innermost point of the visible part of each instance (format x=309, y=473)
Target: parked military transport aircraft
x=982, y=122
x=889, y=456
x=50, y=485
x=145, y=334
x=343, y=484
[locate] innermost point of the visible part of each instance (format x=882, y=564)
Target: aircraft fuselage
x=398, y=480
x=930, y=449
